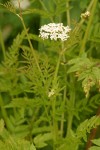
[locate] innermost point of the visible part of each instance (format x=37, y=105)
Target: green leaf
x=94, y=148
x=86, y=126
x=40, y=140
x=96, y=142
x=32, y=147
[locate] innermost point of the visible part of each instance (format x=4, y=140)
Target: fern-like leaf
x=86, y=126
x=9, y=6
x=12, y=55
x=12, y=142
x=86, y=71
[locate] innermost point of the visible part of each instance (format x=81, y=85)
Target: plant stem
x=54, y=122
x=82, y=49
x=5, y=116
x=2, y=45
x=56, y=71
x=62, y=117
x=68, y=13
x=88, y=8
x=20, y=8
x=64, y=95
x=4, y=113
x=72, y=91
x=30, y=44
x=29, y=41
x=93, y=133
x=55, y=126
x=72, y=102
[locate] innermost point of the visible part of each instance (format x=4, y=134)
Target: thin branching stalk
x=82, y=49
x=55, y=126
x=20, y=8
x=54, y=122
x=57, y=69
x=72, y=91
x=72, y=100
x=63, y=114
x=68, y=13
x=30, y=44
x=55, y=132
x=2, y=45
x=64, y=95
x=88, y=9
x=65, y=89
x=93, y=133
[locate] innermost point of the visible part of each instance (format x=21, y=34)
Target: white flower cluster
x=54, y=31
x=85, y=15
x=51, y=93
x=23, y=4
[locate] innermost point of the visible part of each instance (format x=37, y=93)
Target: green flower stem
x=55, y=132
x=72, y=91
x=88, y=8
x=2, y=45
x=64, y=95
x=5, y=116
x=69, y=125
x=68, y=13
x=82, y=49
x=62, y=117
x=72, y=101
x=20, y=8
x=55, y=127
x=54, y=122
x=56, y=71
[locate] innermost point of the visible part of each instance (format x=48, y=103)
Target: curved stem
x=88, y=8
x=30, y=44
x=93, y=133
x=2, y=45
x=29, y=41
x=82, y=49
x=19, y=8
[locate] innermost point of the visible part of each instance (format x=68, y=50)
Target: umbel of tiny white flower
x=54, y=31
x=51, y=93
x=23, y=4
x=85, y=15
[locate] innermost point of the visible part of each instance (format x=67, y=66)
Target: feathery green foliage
x=9, y=142
x=49, y=92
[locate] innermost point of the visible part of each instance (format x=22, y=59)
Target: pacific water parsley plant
x=50, y=76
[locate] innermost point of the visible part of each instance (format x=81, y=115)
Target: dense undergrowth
x=50, y=89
